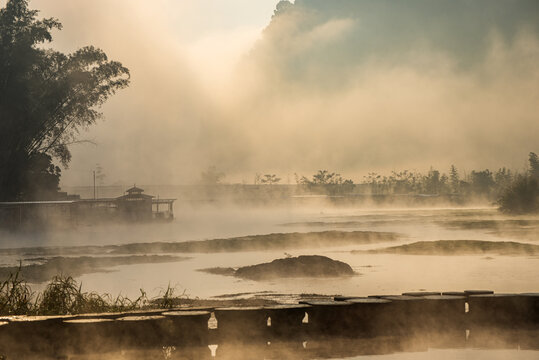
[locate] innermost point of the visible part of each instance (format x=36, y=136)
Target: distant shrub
x=521, y=197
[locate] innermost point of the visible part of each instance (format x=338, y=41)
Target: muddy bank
x=460, y=247
x=313, y=266
x=514, y=228
x=492, y=224
x=278, y=241
x=76, y=266
x=349, y=224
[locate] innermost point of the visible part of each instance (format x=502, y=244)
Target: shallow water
x=377, y=273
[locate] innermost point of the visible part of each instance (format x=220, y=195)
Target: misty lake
x=377, y=272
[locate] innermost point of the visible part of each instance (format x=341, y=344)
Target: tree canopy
x=522, y=195
x=46, y=97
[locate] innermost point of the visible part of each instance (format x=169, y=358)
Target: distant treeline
x=482, y=183
x=514, y=192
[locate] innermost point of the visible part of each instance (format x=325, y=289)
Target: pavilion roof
x=134, y=189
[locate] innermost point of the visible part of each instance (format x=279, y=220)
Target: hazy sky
x=175, y=51
x=347, y=85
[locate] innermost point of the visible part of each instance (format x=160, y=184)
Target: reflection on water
x=481, y=344
x=476, y=344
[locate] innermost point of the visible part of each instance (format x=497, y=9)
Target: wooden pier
x=133, y=206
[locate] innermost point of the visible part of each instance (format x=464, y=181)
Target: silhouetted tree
x=373, y=179
x=41, y=179
x=534, y=165
x=211, y=176
x=454, y=179
x=432, y=182
x=270, y=179
x=331, y=183
x=402, y=182
x=482, y=182
x=522, y=195
x=324, y=177
x=502, y=179
x=46, y=97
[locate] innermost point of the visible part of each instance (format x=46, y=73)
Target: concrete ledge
x=436, y=319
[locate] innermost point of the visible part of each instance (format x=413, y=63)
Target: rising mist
x=354, y=86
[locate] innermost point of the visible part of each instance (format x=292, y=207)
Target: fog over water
x=377, y=273
x=355, y=86
x=290, y=88
x=224, y=93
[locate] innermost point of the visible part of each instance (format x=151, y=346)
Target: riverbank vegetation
x=62, y=296
x=515, y=191
x=484, y=184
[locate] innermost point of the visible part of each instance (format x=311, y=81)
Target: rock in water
x=301, y=266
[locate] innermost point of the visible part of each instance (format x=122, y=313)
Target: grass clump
x=16, y=297
x=64, y=296
x=168, y=298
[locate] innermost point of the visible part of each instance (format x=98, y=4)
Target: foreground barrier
x=444, y=312
x=286, y=320
x=187, y=327
x=507, y=310
x=404, y=314
x=329, y=317
x=368, y=317
x=355, y=318
x=143, y=331
x=241, y=323
x=529, y=308
x=39, y=334
x=88, y=335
